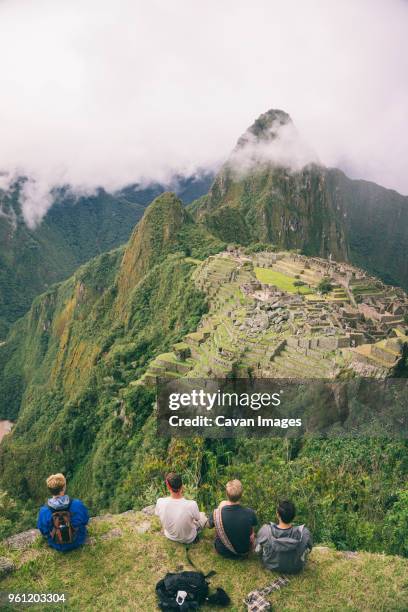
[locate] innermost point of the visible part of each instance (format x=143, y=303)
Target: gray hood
x=59, y=503
x=286, y=539
x=283, y=550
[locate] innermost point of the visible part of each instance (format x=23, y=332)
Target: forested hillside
x=74, y=230
x=72, y=369
x=85, y=340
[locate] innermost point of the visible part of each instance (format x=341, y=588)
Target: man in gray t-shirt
x=180, y=517
x=283, y=546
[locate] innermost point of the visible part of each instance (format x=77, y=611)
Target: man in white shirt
x=180, y=518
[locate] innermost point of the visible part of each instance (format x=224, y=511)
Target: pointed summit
x=273, y=190
x=266, y=128
x=272, y=140
x=153, y=237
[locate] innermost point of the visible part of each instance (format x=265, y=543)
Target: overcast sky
x=96, y=92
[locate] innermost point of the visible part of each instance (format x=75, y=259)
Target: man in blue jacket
x=63, y=520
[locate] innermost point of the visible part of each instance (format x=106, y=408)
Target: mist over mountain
x=273, y=189
x=91, y=99
x=74, y=229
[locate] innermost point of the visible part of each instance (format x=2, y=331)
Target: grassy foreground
x=128, y=555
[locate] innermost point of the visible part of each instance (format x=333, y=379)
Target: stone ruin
x=279, y=334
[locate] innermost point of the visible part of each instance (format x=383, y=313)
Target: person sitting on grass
x=180, y=517
x=282, y=546
x=234, y=524
x=62, y=520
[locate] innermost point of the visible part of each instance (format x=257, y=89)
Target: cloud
x=36, y=198
x=279, y=144
x=99, y=93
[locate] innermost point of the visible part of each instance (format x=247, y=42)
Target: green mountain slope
x=78, y=368
x=84, y=340
x=318, y=210
x=128, y=556
x=73, y=231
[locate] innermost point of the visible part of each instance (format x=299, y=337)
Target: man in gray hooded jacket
x=284, y=547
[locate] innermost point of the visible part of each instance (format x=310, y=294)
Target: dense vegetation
x=70, y=369
x=74, y=230
x=71, y=361
x=71, y=233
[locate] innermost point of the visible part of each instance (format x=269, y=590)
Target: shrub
x=325, y=286
x=395, y=530
x=259, y=247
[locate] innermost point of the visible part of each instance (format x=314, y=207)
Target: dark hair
x=174, y=481
x=286, y=510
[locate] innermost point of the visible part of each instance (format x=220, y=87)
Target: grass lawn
x=120, y=573
x=286, y=283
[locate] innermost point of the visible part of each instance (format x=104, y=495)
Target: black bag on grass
x=187, y=591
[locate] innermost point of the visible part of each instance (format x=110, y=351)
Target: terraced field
x=230, y=341
x=260, y=324
x=366, y=289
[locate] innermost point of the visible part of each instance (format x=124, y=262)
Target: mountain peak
x=271, y=141
x=167, y=205
x=266, y=127
x=152, y=238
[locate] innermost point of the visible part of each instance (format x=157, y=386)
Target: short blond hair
x=234, y=490
x=56, y=483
